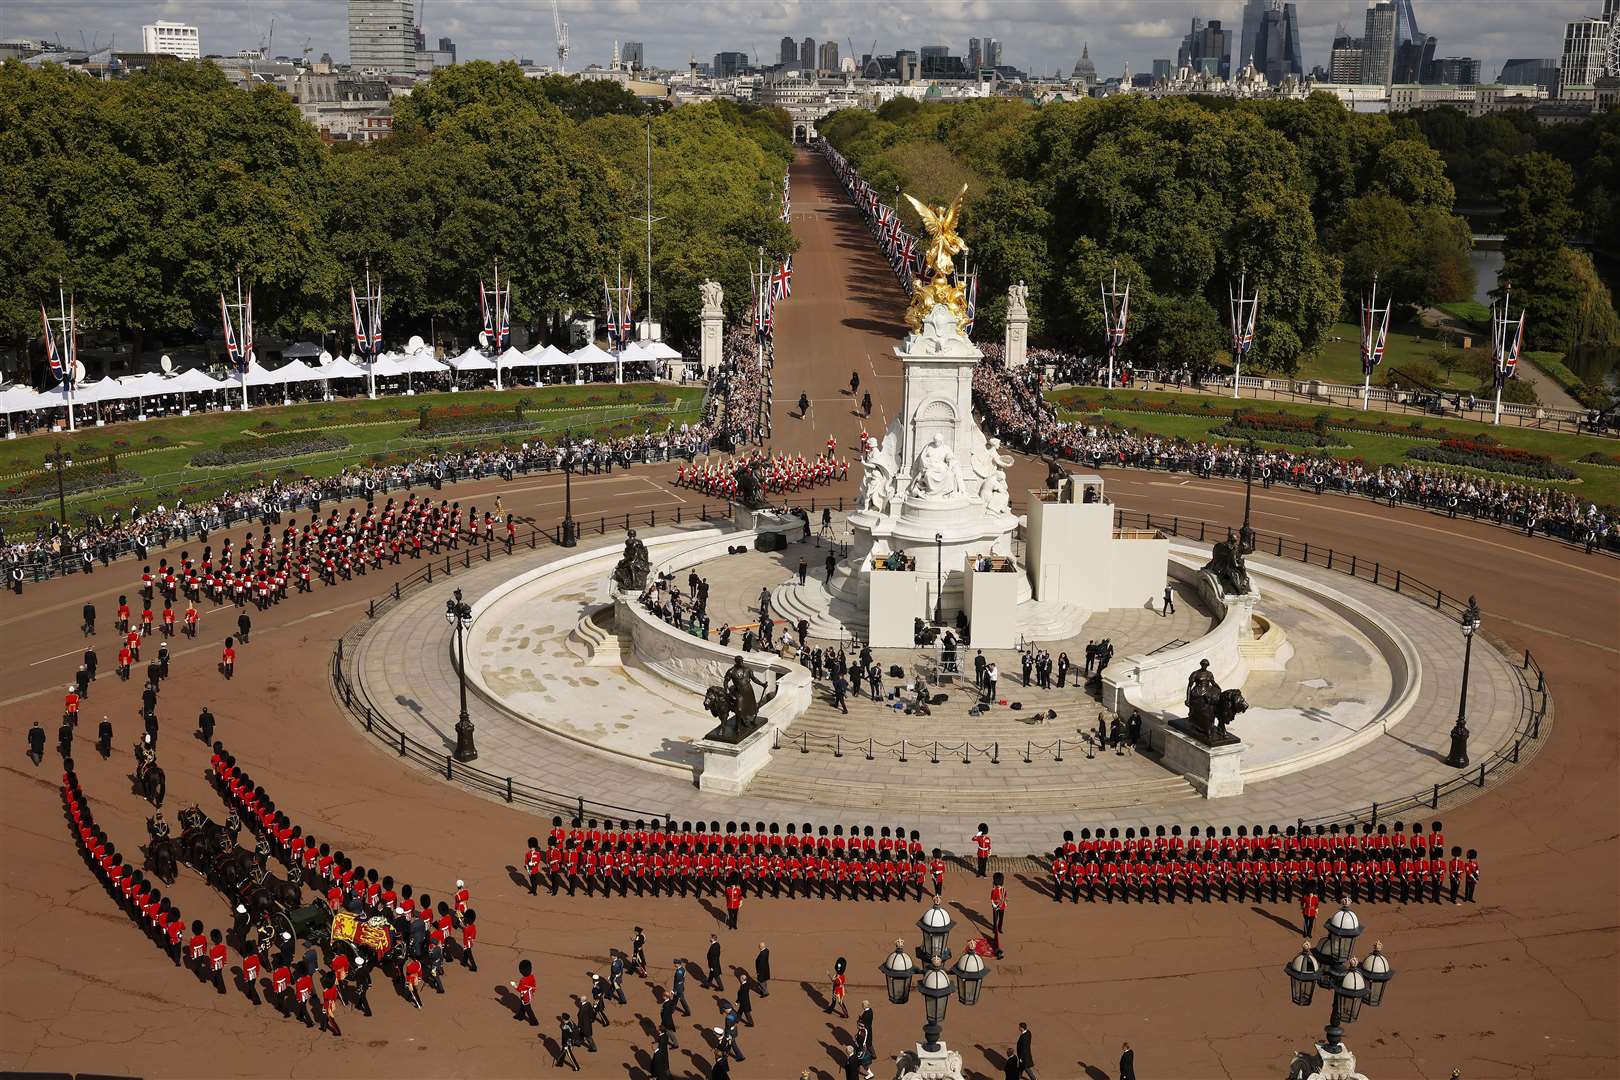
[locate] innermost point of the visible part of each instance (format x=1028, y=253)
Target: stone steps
x=830, y=617
x=936, y=795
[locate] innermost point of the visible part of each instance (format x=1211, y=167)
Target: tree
x=1536, y=219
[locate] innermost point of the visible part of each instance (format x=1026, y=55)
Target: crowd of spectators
x=1011, y=407
x=733, y=415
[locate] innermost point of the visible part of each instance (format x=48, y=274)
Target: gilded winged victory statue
x=943, y=246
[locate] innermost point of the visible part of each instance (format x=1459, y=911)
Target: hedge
x=285, y=444
x=76, y=480
x=1489, y=455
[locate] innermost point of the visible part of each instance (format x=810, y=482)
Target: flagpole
x=371, y=352
x=498, y=324
x=1499, y=334
x=69, y=361
x=1368, y=315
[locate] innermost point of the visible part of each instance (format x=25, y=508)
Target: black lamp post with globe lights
x=1458, y=757
x=458, y=613
x=965, y=979
x=1331, y=966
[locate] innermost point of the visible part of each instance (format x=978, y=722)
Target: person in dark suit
x=1013, y=1068
x=1026, y=1055
x=1127, y=1063
x=714, y=980
x=762, y=970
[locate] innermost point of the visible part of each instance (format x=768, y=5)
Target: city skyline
x=1038, y=36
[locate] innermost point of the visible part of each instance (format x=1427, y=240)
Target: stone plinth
x=1216, y=771
x=728, y=767
x=920, y=1064
x=712, y=330
x=1015, y=342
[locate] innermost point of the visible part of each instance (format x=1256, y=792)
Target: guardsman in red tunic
x=1307, y=910
x=1060, y=875
x=531, y=866
x=998, y=909
x=216, y=960
x=936, y=867
x=1470, y=875
x=981, y=844
x=1455, y=871
x=734, y=899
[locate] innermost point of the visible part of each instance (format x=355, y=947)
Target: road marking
x=58, y=656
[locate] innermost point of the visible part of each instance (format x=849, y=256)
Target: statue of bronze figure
x=1211, y=710
x=734, y=702
x=630, y=575
x=1226, y=565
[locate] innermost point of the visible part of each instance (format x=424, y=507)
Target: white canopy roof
x=20, y=399
x=550, y=356
x=342, y=367
x=148, y=384
x=515, y=357
x=420, y=363
x=635, y=352
x=192, y=381
x=591, y=353
x=659, y=351
x=472, y=360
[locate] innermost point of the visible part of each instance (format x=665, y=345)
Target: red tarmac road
x=1522, y=983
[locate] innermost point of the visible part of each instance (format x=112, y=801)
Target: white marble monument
x=1015, y=342
x=933, y=497
x=712, y=320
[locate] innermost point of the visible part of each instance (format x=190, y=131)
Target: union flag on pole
x=51, y=355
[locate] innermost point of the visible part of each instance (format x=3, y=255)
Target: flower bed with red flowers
x=1483, y=452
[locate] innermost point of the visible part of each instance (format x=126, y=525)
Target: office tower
x=905, y=64
x=1540, y=71
x=1344, y=62
x=1184, y=55
x=728, y=65
x=789, y=52
x=1406, y=27
x=807, y=54
x=1162, y=69
x=382, y=36
x=1276, y=46
x=1453, y=71
x=828, y=60
x=1378, y=44
x=1584, y=43
x=975, y=56
x=172, y=39
x=1413, y=59
x=992, y=53
x=633, y=55
x=1253, y=12
x=1211, y=50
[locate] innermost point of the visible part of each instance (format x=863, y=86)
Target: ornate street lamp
x=897, y=972
x=1469, y=623
x=570, y=534
x=939, y=579
x=458, y=613
x=1331, y=966
x=58, y=462
x=936, y=925
x=936, y=985
x=970, y=971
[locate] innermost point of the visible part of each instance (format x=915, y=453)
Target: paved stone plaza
x=1029, y=802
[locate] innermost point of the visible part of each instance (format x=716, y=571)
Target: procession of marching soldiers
x=779, y=474
x=666, y=858
x=1375, y=864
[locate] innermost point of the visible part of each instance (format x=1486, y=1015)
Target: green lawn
x=158, y=453
x=1596, y=482
x=1339, y=358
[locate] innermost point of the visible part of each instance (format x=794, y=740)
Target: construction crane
x=560, y=29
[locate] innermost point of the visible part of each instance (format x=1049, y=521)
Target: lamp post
x=570, y=533
x=939, y=579
x=1458, y=758
x=933, y=1060
x=458, y=613
x=58, y=461
x=1246, y=534
x=1331, y=966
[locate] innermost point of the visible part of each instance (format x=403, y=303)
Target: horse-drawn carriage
x=211, y=849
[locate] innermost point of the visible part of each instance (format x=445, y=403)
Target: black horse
x=161, y=854
x=150, y=782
